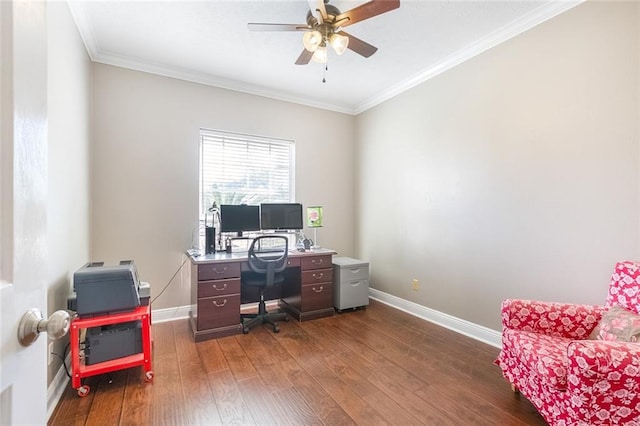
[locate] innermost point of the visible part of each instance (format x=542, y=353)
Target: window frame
x=252, y=140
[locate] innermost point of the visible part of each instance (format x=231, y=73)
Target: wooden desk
x=215, y=290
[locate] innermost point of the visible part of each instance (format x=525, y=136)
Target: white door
x=23, y=211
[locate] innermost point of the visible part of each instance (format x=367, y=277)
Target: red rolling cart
x=78, y=368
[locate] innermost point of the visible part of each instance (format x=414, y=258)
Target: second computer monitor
x=281, y=216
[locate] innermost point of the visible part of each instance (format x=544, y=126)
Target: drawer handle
x=224, y=269
x=355, y=270
x=317, y=261
x=318, y=276
x=215, y=287
x=319, y=290
x=220, y=305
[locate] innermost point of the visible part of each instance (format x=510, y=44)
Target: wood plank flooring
x=377, y=366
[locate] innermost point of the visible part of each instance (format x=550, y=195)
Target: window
x=244, y=169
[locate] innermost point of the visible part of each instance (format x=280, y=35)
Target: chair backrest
x=268, y=255
x=624, y=289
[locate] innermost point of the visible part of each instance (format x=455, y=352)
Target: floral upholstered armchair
x=578, y=364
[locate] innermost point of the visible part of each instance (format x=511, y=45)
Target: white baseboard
x=469, y=329
x=57, y=387
x=170, y=314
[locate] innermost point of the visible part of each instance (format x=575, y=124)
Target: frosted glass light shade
x=339, y=43
x=320, y=55
x=311, y=40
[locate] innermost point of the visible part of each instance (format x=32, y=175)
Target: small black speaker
x=210, y=240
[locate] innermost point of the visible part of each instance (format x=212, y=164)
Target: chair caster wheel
x=286, y=319
x=276, y=329
x=245, y=330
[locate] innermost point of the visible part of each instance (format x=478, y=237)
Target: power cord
x=171, y=279
x=63, y=358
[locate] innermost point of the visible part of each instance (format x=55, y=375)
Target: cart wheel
x=148, y=376
x=83, y=391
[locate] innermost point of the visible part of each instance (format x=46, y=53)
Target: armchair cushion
x=618, y=324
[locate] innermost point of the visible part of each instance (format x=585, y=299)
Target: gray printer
x=103, y=290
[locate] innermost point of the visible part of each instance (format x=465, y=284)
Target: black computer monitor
x=281, y=216
x=239, y=218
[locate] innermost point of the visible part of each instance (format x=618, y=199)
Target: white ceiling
x=208, y=42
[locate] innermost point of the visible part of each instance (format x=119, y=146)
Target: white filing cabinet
x=350, y=283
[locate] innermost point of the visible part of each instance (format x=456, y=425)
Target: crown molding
x=543, y=13
x=209, y=80
x=538, y=16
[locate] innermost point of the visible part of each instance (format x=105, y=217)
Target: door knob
x=33, y=323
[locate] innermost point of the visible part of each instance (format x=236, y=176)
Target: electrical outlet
x=50, y=356
x=415, y=284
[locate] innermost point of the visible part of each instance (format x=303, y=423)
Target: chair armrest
x=603, y=381
x=551, y=318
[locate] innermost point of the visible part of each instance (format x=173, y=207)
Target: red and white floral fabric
x=569, y=379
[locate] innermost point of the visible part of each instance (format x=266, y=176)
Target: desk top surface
x=240, y=256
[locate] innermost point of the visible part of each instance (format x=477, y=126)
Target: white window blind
x=244, y=169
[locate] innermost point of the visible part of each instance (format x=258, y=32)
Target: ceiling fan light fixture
x=311, y=40
x=320, y=55
x=339, y=43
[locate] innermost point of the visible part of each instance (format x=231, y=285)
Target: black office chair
x=267, y=260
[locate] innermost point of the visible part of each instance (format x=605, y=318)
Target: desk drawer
x=316, y=296
x=317, y=276
x=316, y=262
x=293, y=262
x=217, y=271
x=218, y=311
x=218, y=287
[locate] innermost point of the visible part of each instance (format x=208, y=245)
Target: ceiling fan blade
x=360, y=47
x=318, y=10
x=366, y=11
x=304, y=57
x=277, y=27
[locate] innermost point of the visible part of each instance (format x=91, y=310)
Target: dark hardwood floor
x=367, y=367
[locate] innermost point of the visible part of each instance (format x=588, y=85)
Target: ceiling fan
x=324, y=28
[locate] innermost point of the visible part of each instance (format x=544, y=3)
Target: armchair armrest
x=551, y=318
x=603, y=382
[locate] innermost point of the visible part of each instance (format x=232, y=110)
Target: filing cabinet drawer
x=316, y=296
x=217, y=271
x=218, y=287
x=218, y=311
x=351, y=273
x=316, y=262
x=317, y=276
x=351, y=294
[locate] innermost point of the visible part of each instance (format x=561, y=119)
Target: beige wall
x=145, y=167
x=68, y=103
x=515, y=174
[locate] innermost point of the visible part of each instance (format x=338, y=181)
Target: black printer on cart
x=104, y=290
